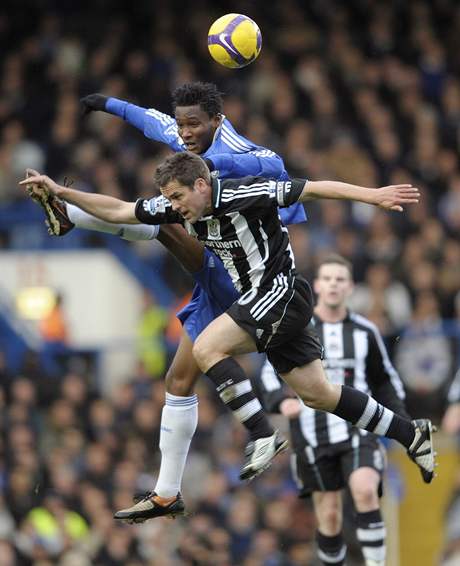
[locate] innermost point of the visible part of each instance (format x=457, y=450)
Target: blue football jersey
x=232, y=155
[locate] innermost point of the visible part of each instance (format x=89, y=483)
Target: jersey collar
x=216, y=192
x=345, y=319
x=219, y=128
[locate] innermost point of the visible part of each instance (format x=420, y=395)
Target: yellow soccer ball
x=234, y=41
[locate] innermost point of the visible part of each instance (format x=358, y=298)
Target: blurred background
x=361, y=91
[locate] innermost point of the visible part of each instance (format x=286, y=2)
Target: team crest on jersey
x=213, y=229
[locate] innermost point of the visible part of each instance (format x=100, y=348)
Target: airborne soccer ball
x=234, y=41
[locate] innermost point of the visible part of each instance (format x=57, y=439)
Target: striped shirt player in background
x=330, y=453
x=199, y=126
x=239, y=220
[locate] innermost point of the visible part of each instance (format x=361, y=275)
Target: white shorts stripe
x=279, y=286
x=257, y=305
x=272, y=304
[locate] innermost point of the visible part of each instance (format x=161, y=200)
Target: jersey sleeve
x=154, y=124
x=258, y=193
x=156, y=210
x=259, y=162
x=288, y=192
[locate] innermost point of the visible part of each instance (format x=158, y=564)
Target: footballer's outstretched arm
x=153, y=124
x=392, y=197
x=104, y=207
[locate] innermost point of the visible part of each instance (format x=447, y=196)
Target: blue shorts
x=212, y=296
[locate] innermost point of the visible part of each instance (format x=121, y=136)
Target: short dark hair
x=185, y=167
x=206, y=95
x=337, y=259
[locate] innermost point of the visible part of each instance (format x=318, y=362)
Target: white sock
x=131, y=232
x=179, y=420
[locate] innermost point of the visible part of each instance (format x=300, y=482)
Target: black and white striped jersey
x=354, y=355
x=244, y=229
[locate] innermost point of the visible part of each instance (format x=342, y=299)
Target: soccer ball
x=234, y=41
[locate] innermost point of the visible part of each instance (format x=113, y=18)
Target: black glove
x=92, y=102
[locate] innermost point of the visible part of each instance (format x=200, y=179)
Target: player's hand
x=29, y=188
x=37, y=184
x=394, y=197
x=290, y=408
x=92, y=103
x=451, y=419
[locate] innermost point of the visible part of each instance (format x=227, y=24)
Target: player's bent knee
x=205, y=354
x=316, y=402
x=365, y=496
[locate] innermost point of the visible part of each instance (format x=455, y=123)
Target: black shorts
x=277, y=318
x=328, y=468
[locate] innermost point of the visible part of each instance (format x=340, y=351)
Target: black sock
x=364, y=412
x=331, y=550
x=235, y=390
x=371, y=534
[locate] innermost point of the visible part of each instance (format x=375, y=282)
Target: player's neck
x=331, y=314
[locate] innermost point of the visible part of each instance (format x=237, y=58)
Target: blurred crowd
x=69, y=457
x=362, y=91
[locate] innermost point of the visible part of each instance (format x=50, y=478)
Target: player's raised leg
x=212, y=350
x=312, y=386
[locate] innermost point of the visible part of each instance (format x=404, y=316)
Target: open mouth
x=191, y=146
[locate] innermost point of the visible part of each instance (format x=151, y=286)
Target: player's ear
x=200, y=185
x=216, y=121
